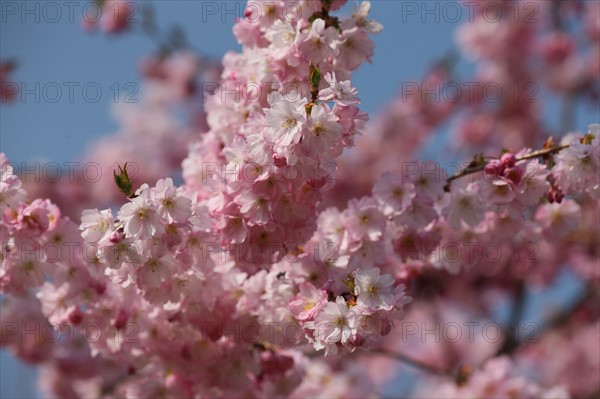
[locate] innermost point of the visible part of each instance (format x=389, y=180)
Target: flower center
x=319, y=129
x=372, y=289
x=141, y=213
x=339, y=321
x=289, y=122
x=168, y=203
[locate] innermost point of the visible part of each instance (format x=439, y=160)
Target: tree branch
x=531, y=155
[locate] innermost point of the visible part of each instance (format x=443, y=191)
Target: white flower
x=11, y=193
x=282, y=36
x=578, y=166
x=359, y=18
x=465, y=206
x=323, y=131
x=336, y=323
x=394, y=193
x=342, y=92
x=155, y=271
x=375, y=291
x=286, y=118
x=140, y=218
x=559, y=219
x=96, y=225
x=364, y=219
x=172, y=204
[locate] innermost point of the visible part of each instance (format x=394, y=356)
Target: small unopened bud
x=121, y=320
x=508, y=160
x=116, y=236
x=554, y=194
x=280, y=162
x=493, y=168
x=75, y=316
x=100, y=288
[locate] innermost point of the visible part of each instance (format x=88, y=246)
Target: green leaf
x=122, y=180
x=314, y=76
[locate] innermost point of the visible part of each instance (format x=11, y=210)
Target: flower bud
x=75, y=316
x=493, y=168
x=116, y=236
x=280, y=162
x=121, y=320
x=508, y=160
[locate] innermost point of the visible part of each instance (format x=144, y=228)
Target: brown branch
x=531, y=155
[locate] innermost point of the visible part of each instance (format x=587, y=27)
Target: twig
x=531, y=155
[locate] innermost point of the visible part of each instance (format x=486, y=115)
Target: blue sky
x=57, y=55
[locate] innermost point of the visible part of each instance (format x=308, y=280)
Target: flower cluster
x=496, y=379
x=577, y=166
x=282, y=114
x=226, y=285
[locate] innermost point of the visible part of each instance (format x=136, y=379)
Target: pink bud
x=99, y=287
x=75, y=316
x=493, y=168
x=116, y=236
x=508, y=160
x=121, y=320
x=280, y=162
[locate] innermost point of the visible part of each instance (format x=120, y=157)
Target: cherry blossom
x=274, y=269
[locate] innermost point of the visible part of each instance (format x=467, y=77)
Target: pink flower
x=255, y=207
x=323, y=133
x=374, y=290
x=359, y=19
x=394, y=193
x=140, y=218
x=173, y=205
x=499, y=191
x=354, y=48
x=308, y=302
x=11, y=193
x=364, y=219
x=318, y=44
x=96, y=225
x=465, y=206
x=286, y=118
x=559, y=218
x=335, y=323
x=154, y=272
x=341, y=92
x=34, y=219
